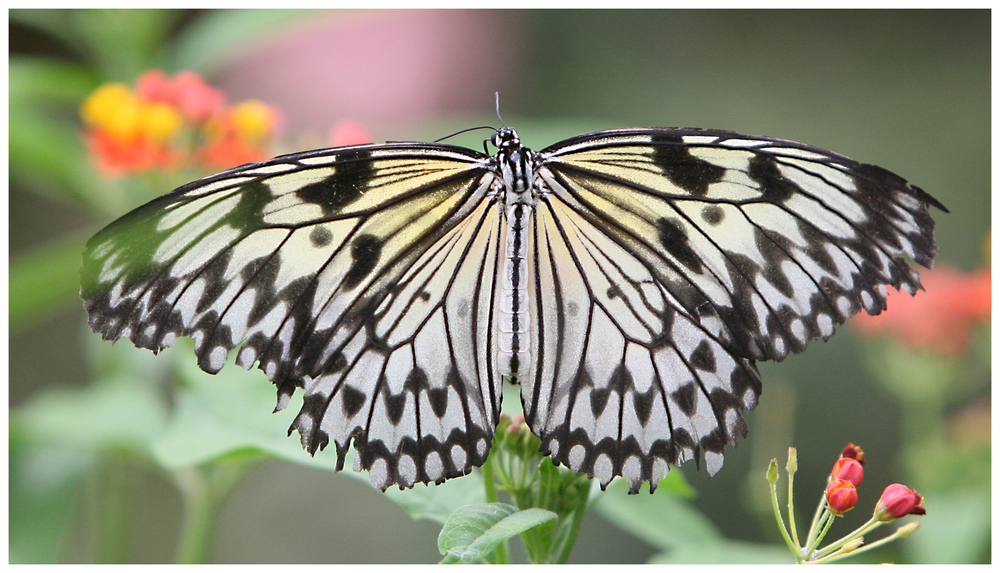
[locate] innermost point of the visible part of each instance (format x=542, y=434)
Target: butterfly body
x=626, y=279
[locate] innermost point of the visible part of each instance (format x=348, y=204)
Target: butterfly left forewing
x=291, y=261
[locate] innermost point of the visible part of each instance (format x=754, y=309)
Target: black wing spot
x=320, y=237
x=673, y=238
x=774, y=187
x=713, y=214
x=684, y=397
x=365, y=250
x=703, y=358
x=350, y=179
x=353, y=399
x=688, y=172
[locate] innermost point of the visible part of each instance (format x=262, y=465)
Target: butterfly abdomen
x=514, y=358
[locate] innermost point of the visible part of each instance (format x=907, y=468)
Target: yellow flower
x=253, y=120
x=101, y=106
x=160, y=121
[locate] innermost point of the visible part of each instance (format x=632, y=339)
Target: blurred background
x=90, y=440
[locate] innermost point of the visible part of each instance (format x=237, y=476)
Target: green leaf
x=210, y=41
x=44, y=496
x=956, y=528
x=36, y=80
x=435, y=502
x=44, y=280
x=114, y=413
x=48, y=156
x=662, y=519
x=474, y=531
x=225, y=414
x=124, y=42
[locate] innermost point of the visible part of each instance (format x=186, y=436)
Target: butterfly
x=628, y=280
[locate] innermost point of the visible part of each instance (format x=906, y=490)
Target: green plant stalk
x=111, y=529
x=791, y=506
x=202, y=491
x=501, y=554
x=570, y=539
x=794, y=546
x=198, y=517
x=860, y=531
x=827, y=520
x=840, y=555
x=815, y=525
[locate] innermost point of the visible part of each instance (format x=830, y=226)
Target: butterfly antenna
x=497, y=94
x=465, y=130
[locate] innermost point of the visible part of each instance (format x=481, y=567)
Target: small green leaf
x=473, y=531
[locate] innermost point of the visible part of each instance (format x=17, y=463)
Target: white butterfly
x=627, y=279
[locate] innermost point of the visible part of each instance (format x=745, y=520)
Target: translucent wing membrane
x=677, y=258
x=627, y=279
x=358, y=273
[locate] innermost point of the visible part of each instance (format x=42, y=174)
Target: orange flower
x=117, y=159
x=940, y=319
x=238, y=135
x=130, y=131
x=126, y=134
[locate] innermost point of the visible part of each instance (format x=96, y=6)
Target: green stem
x=112, y=486
x=781, y=522
x=570, y=539
x=861, y=531
x=811, y=548
x=501, y=555
x=791, y=510
x=862, y=549
x=202, y=491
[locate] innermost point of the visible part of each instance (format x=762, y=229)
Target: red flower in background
x=940, y=319
x=169, y=122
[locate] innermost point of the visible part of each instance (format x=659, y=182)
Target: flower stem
x=794, y=546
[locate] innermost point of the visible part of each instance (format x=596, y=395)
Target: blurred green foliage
x=98, y=433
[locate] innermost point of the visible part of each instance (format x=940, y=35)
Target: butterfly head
x=505, y=138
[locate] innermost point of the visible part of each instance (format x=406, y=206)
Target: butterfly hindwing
x=627, y=382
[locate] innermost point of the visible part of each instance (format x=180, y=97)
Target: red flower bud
x=853, y=452
x=841, y=495
x=849, y=469
x=898, y=500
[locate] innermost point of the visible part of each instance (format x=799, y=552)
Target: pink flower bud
x=849, y=469
x=898, y=500
x=841, y=495
x=853, y=452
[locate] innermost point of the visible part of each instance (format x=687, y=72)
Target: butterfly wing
x=666, y=261
x=356, y=273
